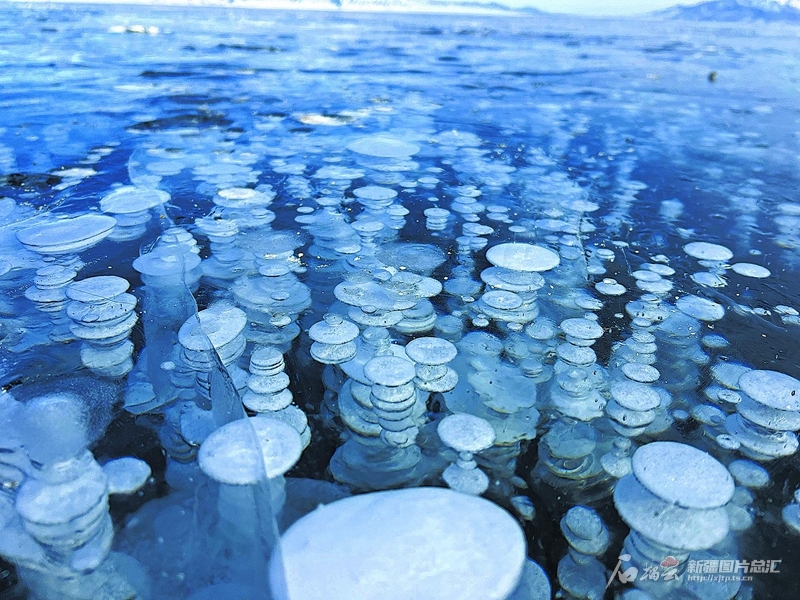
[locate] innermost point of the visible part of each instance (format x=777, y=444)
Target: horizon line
x=416, y=6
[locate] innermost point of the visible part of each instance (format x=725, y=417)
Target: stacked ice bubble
x=216, y=333
x=58, y=530
x=131, y=206
x=226, y=262
x=273, y=298
x=767, y=416
x=580, y=573
x=467, y=435
x=674, y=502
x=513, y=283
x=268, y=394
x=59, y=243
x=431, y=356
x=102, y=316
x=246, y=207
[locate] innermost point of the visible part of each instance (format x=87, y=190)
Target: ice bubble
x=466, y=433
x=522, y=257
x=772, y=389
x=126, y=475
x=750, y=270
x=702, y=309
x=749, y=474
x=661, y=269
x=54, y=428
x=130, y=200
x=250, y=450
x=706, y=251
x=708, y=279
x=714, y=341
x=610, y=287
x=66, y=236
x=383, y=146
x=683, y=475
x=418, y=258
x=372, y=193
x=401, y=544
x=675, y=496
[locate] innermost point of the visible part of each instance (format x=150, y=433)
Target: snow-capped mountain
x=737, y=10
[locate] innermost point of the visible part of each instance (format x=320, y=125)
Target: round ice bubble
x=522, y=257
x=708, y=279
x=131, y=199
x=54, y=428
x=466, y=433
x=706, y=251
x=751, y=270
x=610, y=287
x=773, y=389
x=249, y=450
x=683, y=475
x=419, y=258
x=126, y=475
x=383, y=146
x=67, y=236
x=426, y=543
x=431, y=351
x=374, y=192
x=749, y=474
x=702, y=309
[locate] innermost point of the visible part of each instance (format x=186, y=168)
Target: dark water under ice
x=626, y=114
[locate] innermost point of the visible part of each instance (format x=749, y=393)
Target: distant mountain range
x=787, y=11
x=736, y=10
x=713, y=10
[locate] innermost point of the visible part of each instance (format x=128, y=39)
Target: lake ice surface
x=622, y=121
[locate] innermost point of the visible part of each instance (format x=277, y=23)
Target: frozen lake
x=613, y=145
